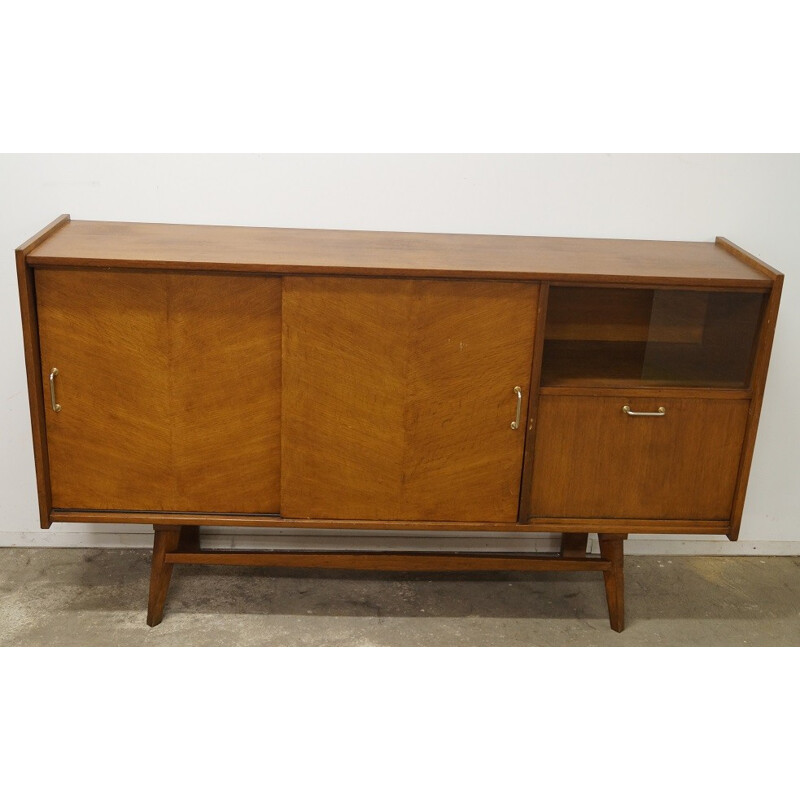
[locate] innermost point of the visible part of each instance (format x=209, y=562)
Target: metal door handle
x=518, y=393
x=56, y=406
x=660, y=413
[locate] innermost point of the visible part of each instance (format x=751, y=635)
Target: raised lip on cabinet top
x=132, y=245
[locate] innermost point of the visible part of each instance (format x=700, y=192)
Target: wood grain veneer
x=165, y=404
x=593, y=460
x=398, y=398
x=288, y=250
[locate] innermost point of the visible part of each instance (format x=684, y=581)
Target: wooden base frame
x=180, y=544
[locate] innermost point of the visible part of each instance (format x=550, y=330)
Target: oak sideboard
x=184, y=376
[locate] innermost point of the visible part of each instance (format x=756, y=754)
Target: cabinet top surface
x=290, y=250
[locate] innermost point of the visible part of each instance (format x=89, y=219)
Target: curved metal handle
x=518, y=393
x=660, y=413
x=56, y=406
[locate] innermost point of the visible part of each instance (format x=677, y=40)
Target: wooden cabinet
x=185, y=376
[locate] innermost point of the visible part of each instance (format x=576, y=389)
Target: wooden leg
x=167, y=538
x=573, y=545
x=611, y=548
x=190, y=538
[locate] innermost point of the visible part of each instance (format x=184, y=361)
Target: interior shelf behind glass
x=646, y=337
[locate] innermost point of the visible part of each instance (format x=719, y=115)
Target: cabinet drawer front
x=594, y=460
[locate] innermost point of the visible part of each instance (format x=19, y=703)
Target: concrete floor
x=98, y=597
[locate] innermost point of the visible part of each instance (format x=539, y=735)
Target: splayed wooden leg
x=167, y=538
x=611, y=548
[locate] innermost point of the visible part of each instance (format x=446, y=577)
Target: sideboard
x=184, y=376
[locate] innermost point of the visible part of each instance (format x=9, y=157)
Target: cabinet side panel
x=763, y=352
x=30, y=337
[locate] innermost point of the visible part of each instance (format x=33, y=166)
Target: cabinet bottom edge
x=535, y=525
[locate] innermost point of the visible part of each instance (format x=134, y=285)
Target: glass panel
x=650, y=337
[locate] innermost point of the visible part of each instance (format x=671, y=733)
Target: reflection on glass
x=650, y=337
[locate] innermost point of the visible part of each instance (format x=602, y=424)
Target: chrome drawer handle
x=518, y=393
x=56, y=406
x=660, y=413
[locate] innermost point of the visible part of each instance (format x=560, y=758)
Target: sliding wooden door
x=168, y=390
x=399, y=398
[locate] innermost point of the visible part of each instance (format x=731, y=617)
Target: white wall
x=752, y=200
